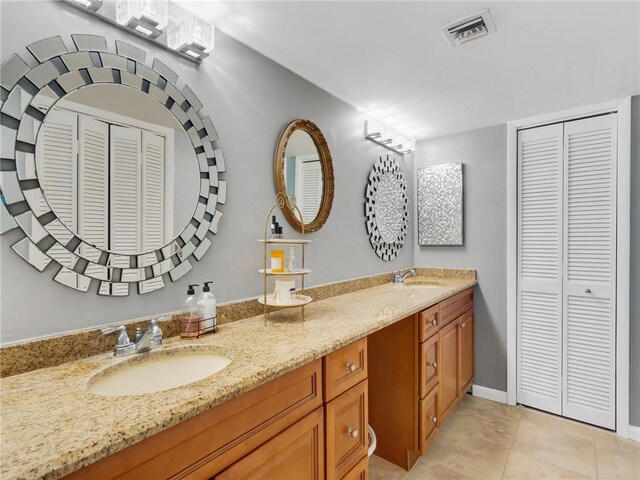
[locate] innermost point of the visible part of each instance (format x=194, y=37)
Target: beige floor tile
x=483, y=405
x=380, y=469
x=468, y=455
x=490, y=426
x=559, y=424
x=427, y=469
x=558, y=448
x=523, y=467
x=618, y=460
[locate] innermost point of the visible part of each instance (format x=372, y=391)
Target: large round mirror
x=303, y=168
x=117, y=168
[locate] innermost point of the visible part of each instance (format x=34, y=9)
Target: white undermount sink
x=157, y=371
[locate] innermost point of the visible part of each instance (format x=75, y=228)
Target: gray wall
x=250, y=99
x=634, y=347
x=483, y=153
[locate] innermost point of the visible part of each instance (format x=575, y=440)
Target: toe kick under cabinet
x=310, y=424
x=419, y=369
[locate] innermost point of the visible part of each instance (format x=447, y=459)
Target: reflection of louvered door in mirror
x=567, y=269
x=153, y=192
x=590, y=270
x=309, y=193
x=539, y=267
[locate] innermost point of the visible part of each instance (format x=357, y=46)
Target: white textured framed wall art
x=440, y=206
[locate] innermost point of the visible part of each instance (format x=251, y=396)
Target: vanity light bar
x=378, y=132
x=191, y=38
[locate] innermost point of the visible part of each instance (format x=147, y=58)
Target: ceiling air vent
x=469, y=28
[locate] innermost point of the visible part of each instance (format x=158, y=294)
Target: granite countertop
x=51, y=425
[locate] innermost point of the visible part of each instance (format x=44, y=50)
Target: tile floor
x=485, y=440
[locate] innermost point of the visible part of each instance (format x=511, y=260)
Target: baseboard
x=634, y=433
x=489, y=393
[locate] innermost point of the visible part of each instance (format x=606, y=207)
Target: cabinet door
x=295, y=453
x=429, y=424
x=429, y=368
x=347, y=430
x=359, y=472
x=448, y=385
x=345, y=368
x=465, y=352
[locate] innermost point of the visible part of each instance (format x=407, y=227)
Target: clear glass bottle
x=191, y=319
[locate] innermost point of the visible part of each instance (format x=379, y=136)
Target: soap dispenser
x=190, y=324
x=207, y=305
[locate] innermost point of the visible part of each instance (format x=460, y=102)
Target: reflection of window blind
x=311, y=190
x=153, y=166
x=125, y=198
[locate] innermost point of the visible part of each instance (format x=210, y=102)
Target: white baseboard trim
x=489, y=393
x=634, y=433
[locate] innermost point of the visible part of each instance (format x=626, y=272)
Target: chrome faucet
x=399, y=277
x=150, y=339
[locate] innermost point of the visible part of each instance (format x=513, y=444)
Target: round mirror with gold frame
x=303, y=168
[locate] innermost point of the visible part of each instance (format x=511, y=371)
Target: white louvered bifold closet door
x=539, y=268
x=56, y=151
x=93, y=181
x=589, y=268
x=125, y=196
x=153, y=191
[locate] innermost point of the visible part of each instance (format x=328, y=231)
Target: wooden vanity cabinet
x=419, y=369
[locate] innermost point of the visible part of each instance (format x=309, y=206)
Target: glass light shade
x=192, y=36
x=92, y=5
x=150, y=14
x=392, y=139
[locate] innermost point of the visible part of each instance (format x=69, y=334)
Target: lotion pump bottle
x=190, y=325
x=207, y=304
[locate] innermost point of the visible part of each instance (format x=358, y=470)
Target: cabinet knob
x=463, y=324
x=587, y=290
x=434, y=322
x=434, y=364
x=352, y=367
x=434, y=419
x=353, y=432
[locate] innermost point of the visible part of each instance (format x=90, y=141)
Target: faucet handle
x=123, y=338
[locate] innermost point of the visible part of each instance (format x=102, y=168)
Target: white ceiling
x=390, y=61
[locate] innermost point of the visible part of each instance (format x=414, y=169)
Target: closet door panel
x=590, y=260
x=125, y=221
x=539, y=268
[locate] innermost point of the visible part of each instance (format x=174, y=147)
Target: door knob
x=353, y=432
x=434, y=364
x=434, y=419
x=462, y=325
x=434, y=322
x=351, y=367
x=587, y=290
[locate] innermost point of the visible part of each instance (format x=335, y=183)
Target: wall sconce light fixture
x=378, y=132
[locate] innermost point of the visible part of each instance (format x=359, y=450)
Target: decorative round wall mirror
x=303, y=168
x=386, y=208
x=109, y=170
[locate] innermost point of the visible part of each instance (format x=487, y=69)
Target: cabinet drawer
x=359, y=472
x=429, y=422
x=429, y=322
x=345, y=368
x=295, y=453
x=208, y=443
x=429, y=367
x=453, y=307
x=347, y=420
